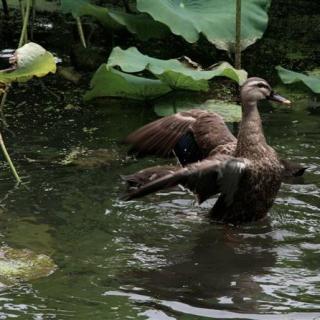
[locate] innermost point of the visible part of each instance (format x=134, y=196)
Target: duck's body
x=245, y=171
x=256, y=192
x=261, y=181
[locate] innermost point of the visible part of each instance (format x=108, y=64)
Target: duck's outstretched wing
x=210, y=131
x=144, y=176
x=219, y=174
x=191, y=135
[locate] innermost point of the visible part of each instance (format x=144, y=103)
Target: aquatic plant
x=23, y=265
x=140, y=24
x=229, y=111
x=311, y=79
x=230, y=26
x=216, y=20
x=173, y=74
x=31, y=60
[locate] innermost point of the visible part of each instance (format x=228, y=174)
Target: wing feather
x=161, y=136
x=218, y=174
x=210, y=131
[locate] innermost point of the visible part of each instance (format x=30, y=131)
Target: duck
x=244, y=171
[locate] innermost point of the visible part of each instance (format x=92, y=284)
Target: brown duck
x=245, y=171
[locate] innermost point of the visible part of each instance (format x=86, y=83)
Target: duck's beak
x=277, y=98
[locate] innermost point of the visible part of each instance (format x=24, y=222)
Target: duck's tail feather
x=291, y=169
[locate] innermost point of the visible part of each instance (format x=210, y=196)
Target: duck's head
x=255, y=89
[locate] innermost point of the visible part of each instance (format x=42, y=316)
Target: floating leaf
x=176, y=102
x=32, y=60
x=177, y=74
x=108, y=82
x=23, y=264
x=141, y=24
x=215, y=19
x=312, y=81
x=230, y=111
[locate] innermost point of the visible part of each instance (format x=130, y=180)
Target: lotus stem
x=5, y=8
x=22, y=12
x=6, y=155
x=25, y=19
x=80, y=31
x=238, y=36
x=33, y=17
x=126, y=6
x=2, y=103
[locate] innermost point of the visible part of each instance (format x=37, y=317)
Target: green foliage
x=230, y=111
x=183, y=74
x=312, y=80
x=172, y=74
x=140, y=24
x=32, y=60
x=214, y=19
x=108, y=82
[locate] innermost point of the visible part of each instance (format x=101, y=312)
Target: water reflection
x=218, y=272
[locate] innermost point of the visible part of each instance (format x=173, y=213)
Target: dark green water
x=159, y=258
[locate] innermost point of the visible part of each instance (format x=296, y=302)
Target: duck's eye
x=262, y=85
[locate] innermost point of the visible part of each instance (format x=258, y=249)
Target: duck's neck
x=251, y=140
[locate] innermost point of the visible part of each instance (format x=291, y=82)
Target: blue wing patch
x=187, y=150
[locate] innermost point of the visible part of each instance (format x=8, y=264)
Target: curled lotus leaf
x=177, y=73
x=311, y=80
x=31, y=60
x=215, y=19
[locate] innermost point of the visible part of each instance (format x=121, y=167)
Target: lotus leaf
x=213, y=18
x=113, y=83
x=177, y=74
x=141, y=24
x=312, y=80
x=31, y=60
x=23, y=264
x=230, y=111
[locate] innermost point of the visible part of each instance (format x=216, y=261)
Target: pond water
x=158, y=258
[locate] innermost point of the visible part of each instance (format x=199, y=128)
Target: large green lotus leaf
x=108, y=82
x=230, y=111
x=177, y=74
x=312, y=81
x=213, y=18
x=23, y=264
x=32, y=61
x=141, y=24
